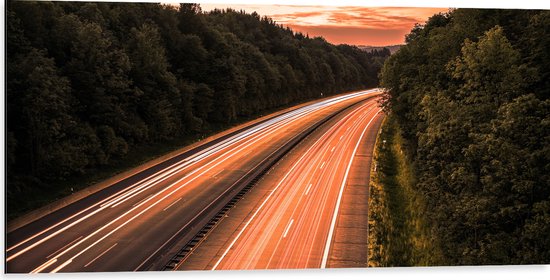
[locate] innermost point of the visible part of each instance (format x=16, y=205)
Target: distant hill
x=392, y=48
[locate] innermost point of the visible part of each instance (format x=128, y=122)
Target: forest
x=470, y=94
x=89, y=85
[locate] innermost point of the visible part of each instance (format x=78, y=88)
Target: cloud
x=355, y=16
x=339, y=24
x=298, y=15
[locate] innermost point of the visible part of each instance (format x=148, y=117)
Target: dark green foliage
x=88, y=84
x=470, y=92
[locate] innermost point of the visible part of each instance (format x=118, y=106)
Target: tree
x=489, y=70
x=94, y=82
x=159, y=93
x=461, y=92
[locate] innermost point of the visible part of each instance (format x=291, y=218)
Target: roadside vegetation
x=469, y=96
x=398, y=235
x=94, y=88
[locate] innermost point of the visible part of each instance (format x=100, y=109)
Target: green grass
x=398, y=234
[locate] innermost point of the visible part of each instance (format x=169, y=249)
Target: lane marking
x=308, y=187
x=322, y=165
x=63, y=247
x=332, y=150
x=104, y=252
x=288, y=228
x=335, y=215
x=171, y=204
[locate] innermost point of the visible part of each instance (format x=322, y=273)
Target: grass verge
x=398, y=234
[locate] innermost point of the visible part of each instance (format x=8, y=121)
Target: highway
x=134, y=223
x=294, y=224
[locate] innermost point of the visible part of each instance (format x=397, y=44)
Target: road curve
x=124, y=227
x=293, y=227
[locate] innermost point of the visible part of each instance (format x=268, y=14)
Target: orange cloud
x=347, y=24
x=297, y=15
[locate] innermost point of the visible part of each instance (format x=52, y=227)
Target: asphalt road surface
x=130, y=225
x=294, y=224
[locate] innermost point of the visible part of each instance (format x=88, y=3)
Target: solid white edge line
x=335, y=215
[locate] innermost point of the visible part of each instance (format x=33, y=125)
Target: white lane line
x=62, y=266
x=322, y=165
x=218, y=173
x=341, y=137
x=332, y=150
x=38, y=269
x=63, y=247
x=335, y=215
x=104, y=252
x=307, y=190
x=288, y=228
x=171, y=204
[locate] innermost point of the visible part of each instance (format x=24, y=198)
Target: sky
x=353, y=25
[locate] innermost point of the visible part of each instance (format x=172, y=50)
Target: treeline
x=470, y=92
x=90, y=83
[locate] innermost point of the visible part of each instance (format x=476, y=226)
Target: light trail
x=255, y=247
x=119, y=209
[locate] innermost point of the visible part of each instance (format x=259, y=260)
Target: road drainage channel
x=246, y=183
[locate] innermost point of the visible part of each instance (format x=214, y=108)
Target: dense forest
x=88, y=84
x=470, y=92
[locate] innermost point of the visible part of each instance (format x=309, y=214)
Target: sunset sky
x=343, y=24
